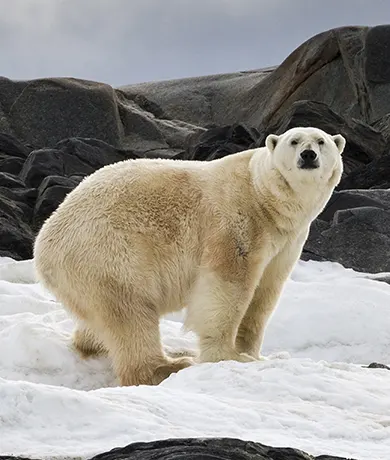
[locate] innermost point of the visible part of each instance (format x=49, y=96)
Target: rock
x=74, y=108
x=11, y=165
x=200, y=101
x=84, y=109
x=345, y=200
x=9, y=457
x=221, y=141
x=10, y=181
x=364, y=144
x=206, y=449
x=15, y=236
x=330, y=67
x=12, y=154
x=23, y=199
x=51, y=193
x=12, y=147
x=373, y=175
x=70, y=157
x=354, y=230
x=383, y=125
x=378, y=366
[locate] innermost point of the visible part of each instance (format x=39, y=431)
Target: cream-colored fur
x=141, y=238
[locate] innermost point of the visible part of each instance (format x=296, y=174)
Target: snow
x=313, y=393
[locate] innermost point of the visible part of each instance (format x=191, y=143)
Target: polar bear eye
x=294, y=142
x=321, y=142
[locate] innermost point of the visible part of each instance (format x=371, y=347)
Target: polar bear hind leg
x=129, y=330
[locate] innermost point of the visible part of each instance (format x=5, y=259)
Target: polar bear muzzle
x=308, y=159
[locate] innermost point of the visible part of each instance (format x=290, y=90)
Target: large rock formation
x=55, y=131
x=201, y=449
x=207, y=449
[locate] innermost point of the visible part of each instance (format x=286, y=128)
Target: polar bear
x=141, y=238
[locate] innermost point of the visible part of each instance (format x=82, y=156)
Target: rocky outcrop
x=354, y=230
x=208, y=448
x=54, y=132
x=201, y=449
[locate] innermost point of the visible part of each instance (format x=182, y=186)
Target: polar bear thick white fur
x=140, y=238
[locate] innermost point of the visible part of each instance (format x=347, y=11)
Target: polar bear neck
x=299, y=202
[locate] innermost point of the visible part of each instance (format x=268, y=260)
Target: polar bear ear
x=271, y=141
x=340, y=141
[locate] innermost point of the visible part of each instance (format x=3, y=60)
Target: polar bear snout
x=308, y=159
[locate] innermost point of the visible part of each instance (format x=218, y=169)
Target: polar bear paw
x=217, y=355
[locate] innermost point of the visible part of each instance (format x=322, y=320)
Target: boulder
x=353, y=230
x=207, y=449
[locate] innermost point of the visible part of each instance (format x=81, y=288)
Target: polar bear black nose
x=308, y=155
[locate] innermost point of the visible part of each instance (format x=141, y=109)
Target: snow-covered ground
x=313, y=393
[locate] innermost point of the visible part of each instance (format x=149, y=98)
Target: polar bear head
x=307, y=154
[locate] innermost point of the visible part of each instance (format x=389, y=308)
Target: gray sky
x=129, y=41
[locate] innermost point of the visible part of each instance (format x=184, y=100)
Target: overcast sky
x=129, y=41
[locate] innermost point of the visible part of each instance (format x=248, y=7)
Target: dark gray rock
x=378, y=366
x=330, y=67
x=12, y=147
x=11, y=457
x=373, y=175
x=11, y=165
x=354, y=230
x=342, y=200
x=206, y=449
x=221, y=141
x=200, y=101
x=364, y=143
x=10, y=181
x=16, y=236
x=12, y=154
x=70, y=157
x=51, y=193
x=43, y=112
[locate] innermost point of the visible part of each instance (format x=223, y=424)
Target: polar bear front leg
x=251, y=330
x=214, y=312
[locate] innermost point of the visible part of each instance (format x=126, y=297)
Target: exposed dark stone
x=378, y=366
x=378, y=54
x=15, y=236
x=11, y=165
x=45, y=111
x=364, y=143
x=10, y=181
x=51, y=192
x=70, y=157
x=221, y=141
x=344, y=200
x=12, y=147
x=383, y=125
x=357, y=237
x=374, y=175
x=207, y=449
x=11, y=457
